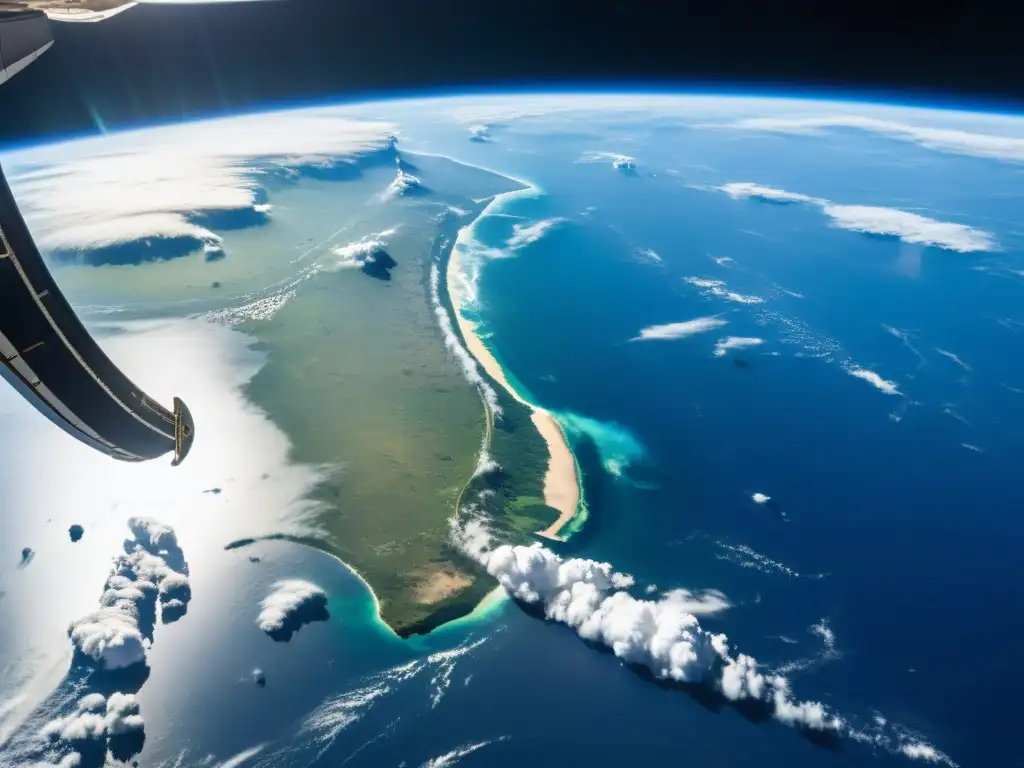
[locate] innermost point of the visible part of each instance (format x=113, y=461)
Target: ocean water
x=882, y=577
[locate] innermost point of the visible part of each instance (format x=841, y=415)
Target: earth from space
x=562, y=429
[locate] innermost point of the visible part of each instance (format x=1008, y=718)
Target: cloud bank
x=876, y=220
x=949, y=140
x=152, y=572
x=291, y=604
x=663, y=637
x=670, y=331
x=163, y=191
x=660, y=636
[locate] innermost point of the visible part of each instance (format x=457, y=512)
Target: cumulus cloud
x=717, y=288
x=173, y=186
x=361, y=252
x=528, y=234
x=872, y=378
x=735, y=342
x=662, y=636
x=877, y=220
x=760, y=498
x=97, y=718
x=480, y=132
x=151, y=572
x=404, y=183
x=291, y=604
x=682, y=330
x=942, y=139
x=619, y=161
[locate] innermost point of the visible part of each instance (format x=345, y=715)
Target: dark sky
x=157, y=63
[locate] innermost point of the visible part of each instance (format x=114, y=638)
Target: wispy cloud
x=670, y=331
x=619, y=161
x=950, y=140
x=528, y=234
x=872, y=378
x=877, y=220
x=735, y=342
x=718, y=289
x=745, y=189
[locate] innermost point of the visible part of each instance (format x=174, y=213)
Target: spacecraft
x=46, y=353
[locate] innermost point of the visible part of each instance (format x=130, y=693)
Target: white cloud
x=746, y=189
x=747, y=557
x=735, y=342
x=949, y=140
x=96, y=717
x=619, y=161
x=451, y=758
x=877, y=220
x=916, y=750
x=954, y=357
x=242, y=757
x=717, y=288
x=661, y=635
x=679, y=330
x=174, y=182
x=760, y=498
x=360, y=252
x=287, y=598
x=480, y=132
x=114, y=636
x=910, y=227
x=403, y=184
x=889, y=387
x=528, y=234
x=704, y=603
x=648, y=255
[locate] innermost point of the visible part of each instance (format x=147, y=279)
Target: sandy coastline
x=561, y=484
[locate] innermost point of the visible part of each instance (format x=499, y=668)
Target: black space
x=155, y=63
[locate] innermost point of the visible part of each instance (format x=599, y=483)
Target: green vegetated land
x=510, y=499
x=358, y=378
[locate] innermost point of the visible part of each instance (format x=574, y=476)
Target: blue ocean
x=833, y=454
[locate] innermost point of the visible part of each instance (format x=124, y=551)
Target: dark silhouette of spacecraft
x=47, y=355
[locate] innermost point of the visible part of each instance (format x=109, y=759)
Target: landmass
x=358, y=377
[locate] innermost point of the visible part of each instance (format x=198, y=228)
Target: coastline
x=561, y=481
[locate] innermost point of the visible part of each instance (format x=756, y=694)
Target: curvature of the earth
x=781, y=339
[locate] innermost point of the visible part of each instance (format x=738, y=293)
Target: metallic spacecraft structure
x=46, y=353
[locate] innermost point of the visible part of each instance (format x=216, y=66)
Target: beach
x=561, y=483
